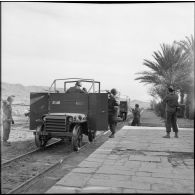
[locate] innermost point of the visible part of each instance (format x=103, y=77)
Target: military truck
x=57, y=114
x=124, y=107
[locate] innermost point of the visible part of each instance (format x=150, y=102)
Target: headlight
x=70, y=119
x=80, y=117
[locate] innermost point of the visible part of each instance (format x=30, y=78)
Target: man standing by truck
x=113, y=106
x=7, y=119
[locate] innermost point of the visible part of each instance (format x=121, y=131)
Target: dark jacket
x=171, y=101
x=113, y=105
x=75, y=89
x=136, y=113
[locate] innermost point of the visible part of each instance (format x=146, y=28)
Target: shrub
x=159, y=109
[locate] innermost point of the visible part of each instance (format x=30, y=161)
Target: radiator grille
x=55, y=124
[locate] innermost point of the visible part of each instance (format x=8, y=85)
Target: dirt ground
x=22, y=140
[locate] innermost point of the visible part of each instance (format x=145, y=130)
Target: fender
x=40, y=131
x=75, y=130
x=39, y=122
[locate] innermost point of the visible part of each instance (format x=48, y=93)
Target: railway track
x=23, y=171
x=26, y=154
x=25, y=168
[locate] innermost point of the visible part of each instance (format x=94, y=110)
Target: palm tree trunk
x=181, y=97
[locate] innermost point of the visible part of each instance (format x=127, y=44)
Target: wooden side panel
x=69, y=103
x=98, y=111
x=38, y=107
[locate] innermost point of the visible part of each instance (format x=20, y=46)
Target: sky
x=104, y=42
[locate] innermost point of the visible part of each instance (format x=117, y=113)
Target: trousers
x=171, y=121
x=135, y=122
x=6, y=130
x=112, y=123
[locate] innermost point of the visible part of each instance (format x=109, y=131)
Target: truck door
x=98, y=111
x=38, y=107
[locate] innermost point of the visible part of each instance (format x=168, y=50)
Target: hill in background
x=22, y=94
x=142, y=104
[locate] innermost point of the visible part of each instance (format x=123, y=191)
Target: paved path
x=149, y=118
x=137, y=160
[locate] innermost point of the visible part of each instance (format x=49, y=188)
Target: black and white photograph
x=97, y=97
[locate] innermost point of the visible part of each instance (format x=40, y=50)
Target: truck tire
x=91, y=135
x=40, y=140
x=77, y=137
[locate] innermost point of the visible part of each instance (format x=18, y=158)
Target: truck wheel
x=77, y=137
x=40, y=140
x=91, y=135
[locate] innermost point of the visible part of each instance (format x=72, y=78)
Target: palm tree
x=165, y=70
x=187, y=47
x=173, y=65
x=158, y=91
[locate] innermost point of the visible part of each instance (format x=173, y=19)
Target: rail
x=32, y=180
x=26, y=154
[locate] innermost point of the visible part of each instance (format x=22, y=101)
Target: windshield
x=62, y=85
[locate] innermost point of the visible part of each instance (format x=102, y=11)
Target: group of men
x=171, y=101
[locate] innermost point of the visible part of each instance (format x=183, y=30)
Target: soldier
x=113, y=106
x=171, y=101
x=136, y=116
x=7, y=119
x=76, y=88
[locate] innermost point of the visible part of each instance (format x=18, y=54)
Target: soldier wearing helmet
x=7, y=119
x=76, y=88
x=113, y=106
x=171, y=101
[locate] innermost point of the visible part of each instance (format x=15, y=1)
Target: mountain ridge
x=22, y=93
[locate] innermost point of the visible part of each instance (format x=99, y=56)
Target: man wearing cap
x=171, y=101
x=76, y=88
x=113, y=106
x=7, y=119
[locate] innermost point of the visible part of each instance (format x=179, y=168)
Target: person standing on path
x=113, y=106
x=136, y=116
x=7, y=119
x=171, y=101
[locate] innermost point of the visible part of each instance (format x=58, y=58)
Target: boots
x=167, y=136
x=111, y=136
x=176, y=135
